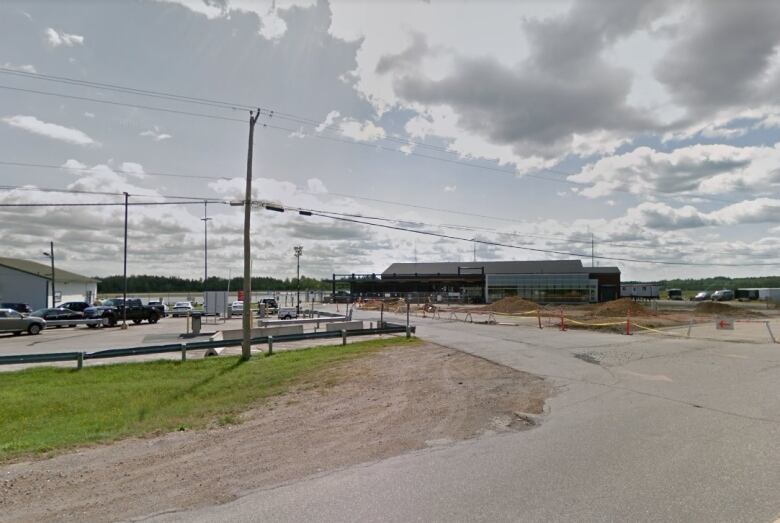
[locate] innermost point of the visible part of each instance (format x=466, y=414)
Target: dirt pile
x=396, y=305
x=511, y=304
x=724, y=309
x=363, y=410
x=620, y=308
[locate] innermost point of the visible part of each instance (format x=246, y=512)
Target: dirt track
x=367, y=409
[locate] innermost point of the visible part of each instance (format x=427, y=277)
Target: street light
x=205, y=221
x=298, y=249
x=50, y=254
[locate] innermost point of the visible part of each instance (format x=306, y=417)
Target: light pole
x=50, y=254
x=205, y=221
x=298, y=249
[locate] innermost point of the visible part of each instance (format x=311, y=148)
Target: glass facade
x=544, y=288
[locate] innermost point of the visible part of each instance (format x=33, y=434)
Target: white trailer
x=646, y=291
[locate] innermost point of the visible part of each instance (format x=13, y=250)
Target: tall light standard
x=50, y=254
x=205, y=221
x=298, y=249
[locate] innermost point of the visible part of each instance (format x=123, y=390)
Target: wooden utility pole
x=246, y=345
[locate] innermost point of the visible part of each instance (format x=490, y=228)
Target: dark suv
x=18, y=307
x=77, y=306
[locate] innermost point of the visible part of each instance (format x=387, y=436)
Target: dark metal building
x=548, y=281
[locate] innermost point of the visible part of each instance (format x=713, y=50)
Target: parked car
x=702, y=296
x=746, y=294
x=237, y=308
x=18, y=307
x=12, y=321
x=723, y=295
x=78, y=306
x=182, y=308
x=288, y=313
x=338, y=297
x=114, y=310
x=160, y=306
x=58, y=314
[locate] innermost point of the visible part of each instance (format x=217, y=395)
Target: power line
x=116, y=170
x=270, y=114
x=122, y=104
x=547, y=251
x=98, y=204
x=103, y=193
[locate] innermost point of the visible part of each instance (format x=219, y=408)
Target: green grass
x=48, y=409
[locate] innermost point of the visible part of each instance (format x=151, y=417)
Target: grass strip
x=45, y=409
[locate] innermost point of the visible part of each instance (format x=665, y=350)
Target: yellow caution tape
x=594, y=324
x=659, y=331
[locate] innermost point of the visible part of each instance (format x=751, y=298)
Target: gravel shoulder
x=367, y=409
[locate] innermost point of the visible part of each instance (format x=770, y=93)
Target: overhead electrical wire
x=271, y=113
x=526, y=248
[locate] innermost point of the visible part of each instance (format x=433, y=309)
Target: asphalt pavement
x=641, y=428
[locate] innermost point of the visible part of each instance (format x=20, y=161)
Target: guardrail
x=79, y=357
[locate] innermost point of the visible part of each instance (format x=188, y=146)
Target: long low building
x=29, y=282
x=548, y=281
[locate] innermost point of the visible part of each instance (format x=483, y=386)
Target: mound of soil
x=724, y=309
x=511, y=304
x=620, y=308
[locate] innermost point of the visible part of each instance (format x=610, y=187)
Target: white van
x=287, y=313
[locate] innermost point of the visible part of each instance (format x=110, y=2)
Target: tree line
x=142, y=283
x=719, y=282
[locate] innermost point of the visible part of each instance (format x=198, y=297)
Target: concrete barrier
x=344, y=325
x=237, y=334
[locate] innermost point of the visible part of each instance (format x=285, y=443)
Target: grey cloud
x=411, y=56
x=724, y=53
x=564, y=87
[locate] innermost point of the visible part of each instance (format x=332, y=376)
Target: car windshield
x=113, y=303
x=182, y=304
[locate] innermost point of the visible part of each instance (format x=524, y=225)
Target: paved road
x=641, y=429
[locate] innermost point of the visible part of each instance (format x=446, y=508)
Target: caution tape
x=659, y=331
x=594, y=324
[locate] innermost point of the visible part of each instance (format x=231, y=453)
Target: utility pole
x=124, y=293
x=298, y=249
x=475, y=251
x=246, y=345
x=592, y=251
x=50, y=254
x=205, y=221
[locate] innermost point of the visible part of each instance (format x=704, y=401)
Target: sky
x=518, y=130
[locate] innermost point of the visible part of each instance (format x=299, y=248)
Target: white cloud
x=450, y=188
x=57, y=132
x=56, y=39
x=155, y=134
x=362, y=131
x=709, y=169
x=26, y=68
x=315, y=185
x=89, y=115
x=329, y=119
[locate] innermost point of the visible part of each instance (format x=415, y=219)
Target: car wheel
x=111, y=320
x=136, y=321
x=34, y=329
x=288, y=317
x=153, y=318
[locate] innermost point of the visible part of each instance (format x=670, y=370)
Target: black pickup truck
x=114, y=310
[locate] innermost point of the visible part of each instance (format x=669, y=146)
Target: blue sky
x=653, y=126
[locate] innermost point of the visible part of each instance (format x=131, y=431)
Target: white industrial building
x=29, y=282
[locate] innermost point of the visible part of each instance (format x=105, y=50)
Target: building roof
x=496, y=267
x=44, y=271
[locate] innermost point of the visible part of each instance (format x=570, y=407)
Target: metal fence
x=79, y=357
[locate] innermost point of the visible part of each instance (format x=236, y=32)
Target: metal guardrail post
x=408, y=332
x=343, y=336
x=270, y=345
x=80, y=361
x=183, y=352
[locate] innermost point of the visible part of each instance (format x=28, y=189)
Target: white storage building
x=29, y=282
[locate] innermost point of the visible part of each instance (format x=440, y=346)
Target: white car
x=288, y=313
x=237, y=308
x=181, y=308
